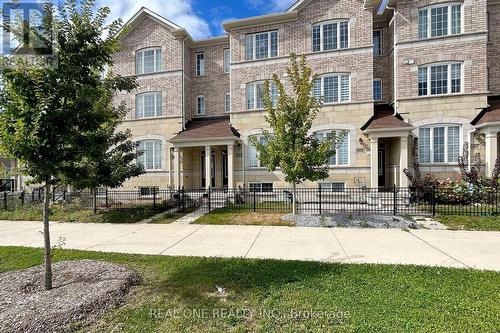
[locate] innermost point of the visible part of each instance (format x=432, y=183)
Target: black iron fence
x=395, y=201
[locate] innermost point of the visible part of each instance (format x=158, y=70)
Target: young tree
x=58, y=121
x=291, y=146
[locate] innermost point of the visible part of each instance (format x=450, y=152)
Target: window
x=253, y=155
x=255, y=95
x=200, y=64
x=439, y=144
x=227, y=60
x=377, y=42
x=151, y=154
x=330, y=36
x=148, y=191
x=227, y=102
x=333, y=87
x=377, y=90
x=261, y=187
x=439, y=20
x=334, y=187
x=148, y=105
x=341, y=156
x=261, y=45
x=148, y=61
x=443, y=78
x=200, y=105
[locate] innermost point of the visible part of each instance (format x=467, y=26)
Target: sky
x=201, y=18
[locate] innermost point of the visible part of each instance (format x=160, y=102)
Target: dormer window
x=148, y=61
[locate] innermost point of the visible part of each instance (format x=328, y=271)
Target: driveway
x=461, y=249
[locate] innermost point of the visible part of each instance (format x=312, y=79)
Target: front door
x=225, y=178
x=203, y=171
x=381, y=167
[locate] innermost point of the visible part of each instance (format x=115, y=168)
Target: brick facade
x=402, y=55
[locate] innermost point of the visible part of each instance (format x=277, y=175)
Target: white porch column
x=491, y=151
x=403, y=161
x=177, y=168
x=208, y=171
x=230, y=166
x=374, y=163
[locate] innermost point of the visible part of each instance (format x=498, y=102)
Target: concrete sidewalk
x=461, y=249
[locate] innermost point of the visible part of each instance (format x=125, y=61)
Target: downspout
x=183, y=84
x=395, y=59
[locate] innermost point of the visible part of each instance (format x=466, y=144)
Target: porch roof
x=203, y=129
x=384, y=118
x=489, y=115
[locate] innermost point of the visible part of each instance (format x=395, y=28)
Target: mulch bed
x=83, y=290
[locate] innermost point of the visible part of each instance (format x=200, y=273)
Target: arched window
x=148, y=105
x=148, y=61
x=152, y=154
x=439, y=143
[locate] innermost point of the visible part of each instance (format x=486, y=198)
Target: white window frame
x=250, y=184
x=449, y=6
x=226, y=61
x=155, y=147
x=155, y=94
x=431, y=142
x=227, y=103
x=339, y=78
x=321, y=34
x=150, y=188
x=347, y=137
x=448, y=85
x=381, y=90
x=381, y=42
x=269, y=49
x=200, y=69
x=198, y=105
x=330, y=189
x=255, y=84
x=155, y=63
x=259, y=163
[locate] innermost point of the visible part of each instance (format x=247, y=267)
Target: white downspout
x=183, y=84
x=395, y=59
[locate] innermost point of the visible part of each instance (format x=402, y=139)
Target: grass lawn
x=243, y=217
x=179, y=295
x=71, y=213
x=474, y=223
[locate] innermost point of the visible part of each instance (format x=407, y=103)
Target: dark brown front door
x=381, y=167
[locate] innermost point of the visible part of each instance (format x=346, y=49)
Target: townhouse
x=390, y=71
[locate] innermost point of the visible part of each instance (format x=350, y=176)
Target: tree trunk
x=294, y=198
x=46, y=238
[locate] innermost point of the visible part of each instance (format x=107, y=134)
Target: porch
x=204, y=154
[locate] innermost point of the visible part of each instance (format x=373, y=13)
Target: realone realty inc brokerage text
x=339, y=316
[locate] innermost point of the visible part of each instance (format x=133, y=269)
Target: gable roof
x=488, y=115
x=207, y=128
x=384, y=118
x=141, y=15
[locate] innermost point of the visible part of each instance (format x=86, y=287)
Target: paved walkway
x=460, y=249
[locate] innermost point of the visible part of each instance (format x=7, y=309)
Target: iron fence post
x=94, y=198
x=254, y=200
x=154, y=198
x=209, y=201
x=54, y=195
x=182, y=200
x=320, y=201
x=5, y=200
x=22, y=197
x=107, y=200
x=433, y=201
x=395, y=201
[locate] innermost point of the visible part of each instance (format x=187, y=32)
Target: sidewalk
x=461, y=249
